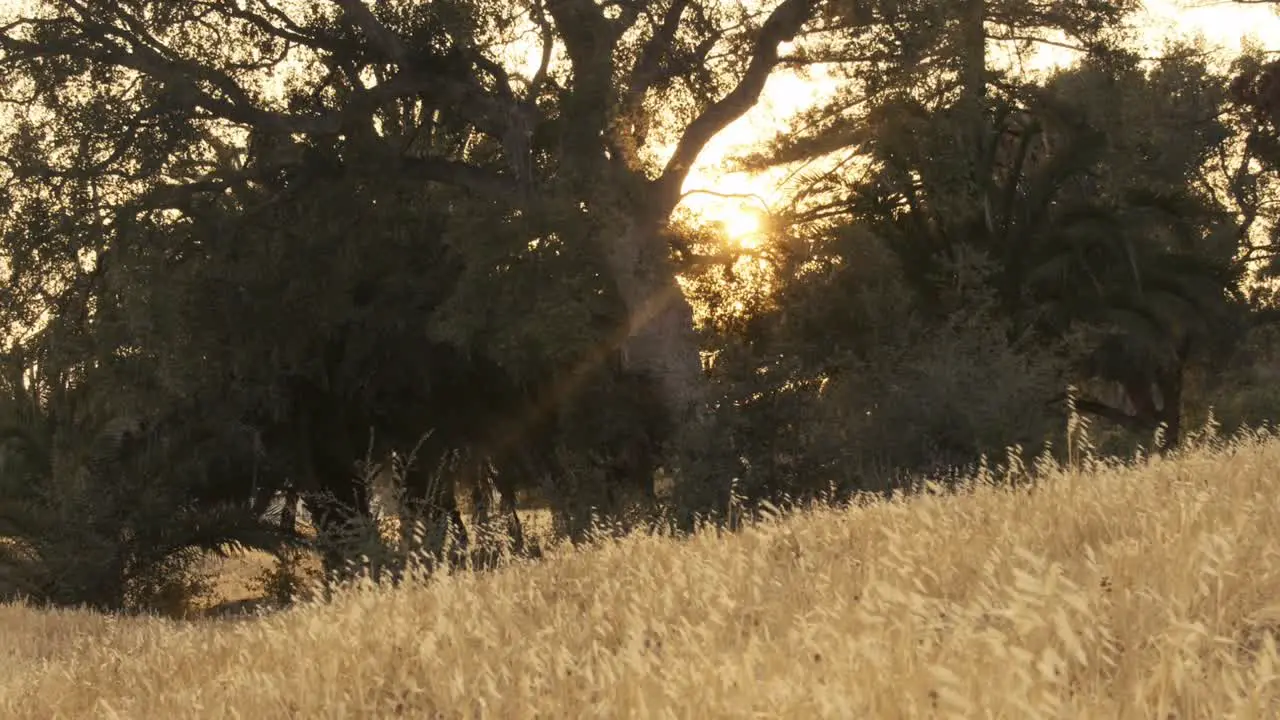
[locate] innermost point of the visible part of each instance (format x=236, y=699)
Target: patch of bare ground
x=1123, y=592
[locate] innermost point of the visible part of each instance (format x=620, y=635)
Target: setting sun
x=743, y=227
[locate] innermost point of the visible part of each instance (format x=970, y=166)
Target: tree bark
x=660, y=339
x=661, y=344
x=1171, y=383
x=289, y=514
x=974, y=43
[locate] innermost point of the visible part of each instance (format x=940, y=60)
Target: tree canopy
x=249, y=245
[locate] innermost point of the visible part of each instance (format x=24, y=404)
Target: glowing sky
x=1221, y=23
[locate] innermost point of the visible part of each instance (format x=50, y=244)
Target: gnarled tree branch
x=782, y=25
x=381, y=38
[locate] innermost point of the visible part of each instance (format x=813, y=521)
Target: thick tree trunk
x=1172, y=411
x=1171, y=384
x=515, y=528
x=660, y=342
x=289, y=514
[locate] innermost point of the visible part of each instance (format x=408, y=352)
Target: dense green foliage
x=248, y=248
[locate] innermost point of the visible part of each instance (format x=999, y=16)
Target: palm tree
x=1146, y=273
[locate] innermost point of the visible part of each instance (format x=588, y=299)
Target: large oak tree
x=148, y=99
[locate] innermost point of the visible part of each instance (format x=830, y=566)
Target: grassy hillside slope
x=1150, y=591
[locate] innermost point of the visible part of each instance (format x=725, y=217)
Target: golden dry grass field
x=1143, y=592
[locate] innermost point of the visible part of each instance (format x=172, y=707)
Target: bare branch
x=726, y=196
x=283, y=26
x=630, y=133
x=501, y=117
x=1107, y=412
x=645, y=71
x=386, y=42
x=548, y=44
x=180, y=196
x=588, y=36
x=783, y=24
x=477, y=180
x=628, y=13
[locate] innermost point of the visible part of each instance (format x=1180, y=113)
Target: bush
x=951, y=396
